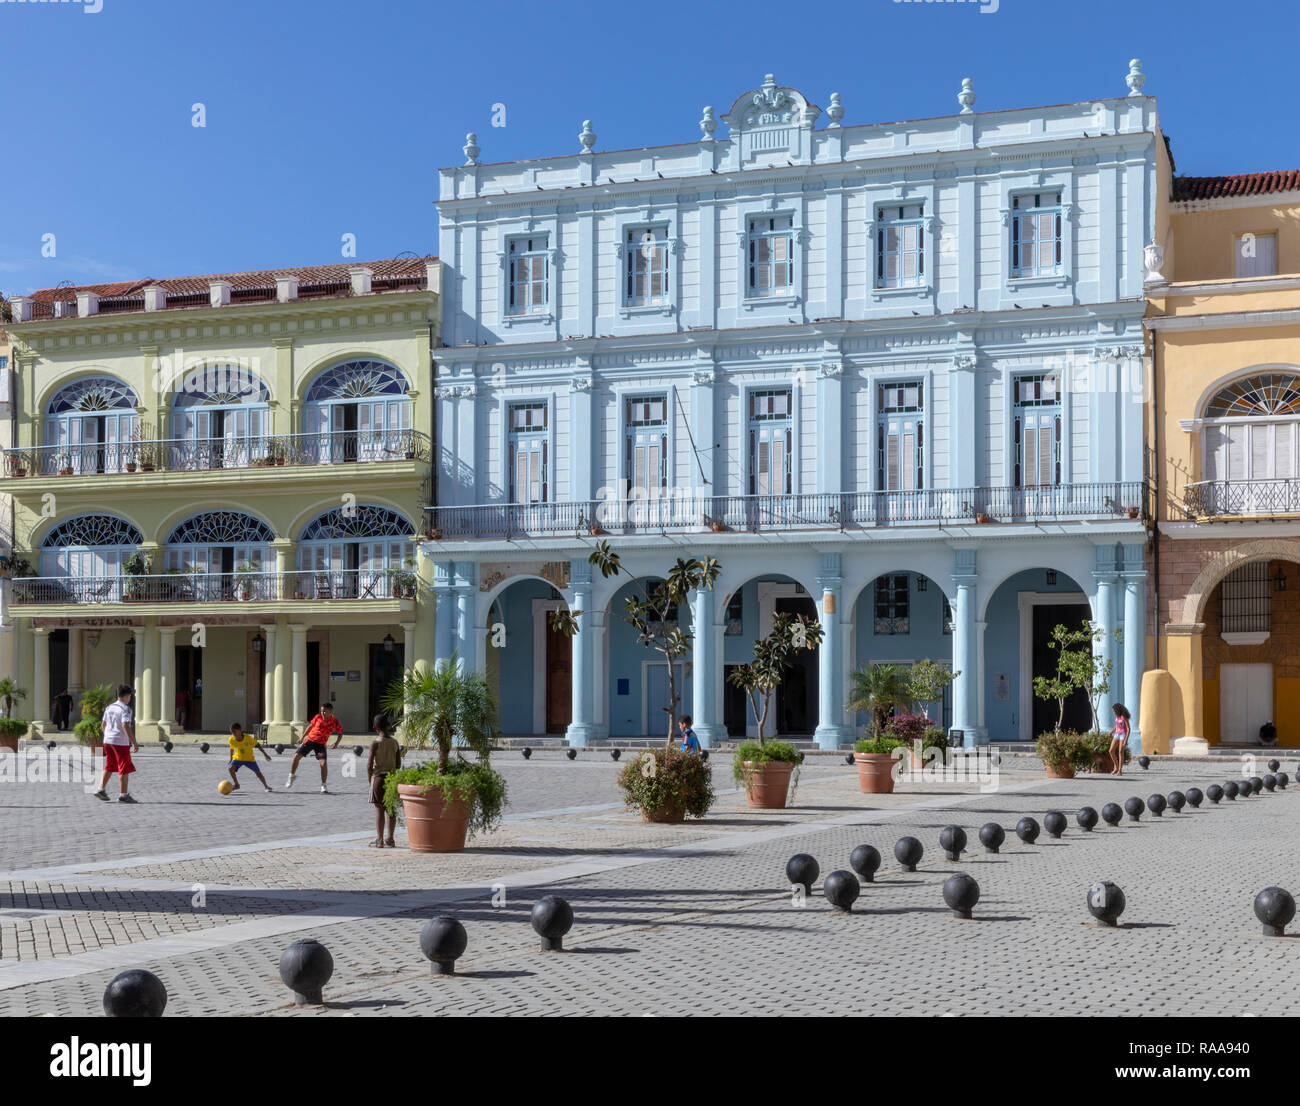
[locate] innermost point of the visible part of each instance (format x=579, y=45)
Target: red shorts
x=117, y=758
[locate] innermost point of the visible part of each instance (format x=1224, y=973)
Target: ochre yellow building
x=1224, y=432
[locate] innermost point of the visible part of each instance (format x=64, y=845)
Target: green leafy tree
x=773, y=658
x=1078, y=668
x=879, y=689
x=10, y=693
x=929, y=681
x=648, y=612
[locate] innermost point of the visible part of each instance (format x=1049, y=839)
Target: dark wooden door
x=1078, y=708
x=559, y=680
x=385, y=670
x=796, y=696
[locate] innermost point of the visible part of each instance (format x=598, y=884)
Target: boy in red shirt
x=313, y=743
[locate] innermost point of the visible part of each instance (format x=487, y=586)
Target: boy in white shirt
x=119, y=743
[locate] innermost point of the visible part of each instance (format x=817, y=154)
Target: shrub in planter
x=1062, y=752
x=877, y=758
x=1096, y=753
x=482, y=790
x=94, y=701
x=11, y=729
x=666, y=785
x=752, y=755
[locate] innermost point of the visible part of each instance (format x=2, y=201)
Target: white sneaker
x=324, y=790
x=288, y=783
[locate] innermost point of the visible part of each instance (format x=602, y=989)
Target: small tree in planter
x=89, y=730
x=136, y=567
x=768, y=770
x=10, y=693
x=448, y=798
x=11, y=729
x=1077, y=669
x=666, y=785
x=878, y=689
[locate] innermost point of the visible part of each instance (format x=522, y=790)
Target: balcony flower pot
x=146, y=466
x=410, y=455
x=766, y=777
x=718, y=527
x=435, y=534
x=982, y=519
x=875, y=760
x=65, y=472
x=596, y=531
x=131, y=466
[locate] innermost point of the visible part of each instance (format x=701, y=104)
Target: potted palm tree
x=878, y=689
x=90, y=729
x=448, y=798
x=10, y=693
x=766, y=768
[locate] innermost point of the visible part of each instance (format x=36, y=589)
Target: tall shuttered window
x=646, y=444
x=529, y=452
x=900, y=436
x=528, y=291
x=771, y=256
x=900, y=247
x=1036, y=234
x=1037, y=431
x=646, y=266
x=771, y=441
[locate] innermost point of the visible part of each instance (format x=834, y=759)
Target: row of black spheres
x=1274, y=907
x=306, y=965
x=614, y=754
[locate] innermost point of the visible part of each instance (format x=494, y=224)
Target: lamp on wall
x=259, y=643
x=92, y=638
x=388, y=643
x=130, y=646
x=1279, y=581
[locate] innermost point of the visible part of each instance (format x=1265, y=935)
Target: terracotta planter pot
x=10, y=743
x=673, y=815
x=432, y=825
x=1066, y=773
x=767, y=786
x=876, y=772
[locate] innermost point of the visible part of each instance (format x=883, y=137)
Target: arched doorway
x=528, y=663
x=640, y=691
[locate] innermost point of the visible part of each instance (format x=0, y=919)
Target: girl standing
x=1119, y=738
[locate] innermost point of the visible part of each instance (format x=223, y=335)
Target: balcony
x=211, y=454
x=216, y=587
x=684, y=511
x=1242, y=498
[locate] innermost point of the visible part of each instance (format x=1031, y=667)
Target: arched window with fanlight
x=91, y=546
x=1252, y=444
x=221, y=418
x=358, y=411
x=364, y=551
x=224, y=553
x=92, y=426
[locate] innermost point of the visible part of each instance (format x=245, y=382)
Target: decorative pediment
x=771, y=118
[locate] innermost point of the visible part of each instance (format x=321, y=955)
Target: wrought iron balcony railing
x=1242, y=498
x=676, y=511
x=214, y=587
x=206, y=454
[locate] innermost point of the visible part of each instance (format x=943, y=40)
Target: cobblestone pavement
x=692, y=919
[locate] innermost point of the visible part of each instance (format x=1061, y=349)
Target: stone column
x=166, y=677
x=281, y=680
x=1105, y=578
x=40, y=680
x=423, y=651
x=76, y=662
x=299, y=679
x=965, y=646
x=581, y=729
x=140, y=655
x=268, y=683
x=286, y=582
x=444, y=575
x=832, y=730
x=146, y=708
x=466, y=574
x=408, y=644
x=1135, y=637
x=707, y=668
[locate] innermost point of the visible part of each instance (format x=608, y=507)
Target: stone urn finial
x=1153, y=259
x=471, y=149
x=966, y=97
x=708, y=124
x=587, y=137
x=836, y=110
x=1136, y=78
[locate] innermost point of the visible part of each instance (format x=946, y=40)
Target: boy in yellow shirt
x=243, y=754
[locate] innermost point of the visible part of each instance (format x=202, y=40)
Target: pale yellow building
x=218, y=484
x=1224, y=431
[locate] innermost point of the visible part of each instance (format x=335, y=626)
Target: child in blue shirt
x=690, y=743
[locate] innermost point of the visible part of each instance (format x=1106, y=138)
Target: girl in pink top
x=1119, y=738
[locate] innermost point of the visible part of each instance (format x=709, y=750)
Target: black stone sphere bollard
x=1176, y=800
x=1270, y=782
x=204, y=746
x=1282, y=780
x=1111, y=814
x=952, y=839
x=991, y=836
x=279, y=750
x=1086, y=817
x=1274, y=907
x=526, y=751
x=1195, y=796
x=138, y=994
x=704, y=755
x=443, y=941
x=1133, y=807
x=51, y=744
x=1106, y=902
x=305, y=968
x=908, y=853
x=168, y=746
x=865, y=860
x=614, y=754
x=1145, y=762
x=1054, y=822
x=849, y=759
x=1230, y=790
x=961, y=893
x=1214, y=793
x=1256, y=785
x=572, y=754
x=841, y=889
x=552, y=918
x=802, y=869
x=356, y=750
x=1156, y=804
x=1027, y=830
x=1274, y=765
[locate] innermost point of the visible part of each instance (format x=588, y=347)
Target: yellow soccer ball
x=225, y=787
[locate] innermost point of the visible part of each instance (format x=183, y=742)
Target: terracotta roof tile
x=1243, y=184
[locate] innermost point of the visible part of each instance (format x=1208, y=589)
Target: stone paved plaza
x=696, y=919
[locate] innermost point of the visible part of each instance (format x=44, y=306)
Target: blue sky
x=327, y=117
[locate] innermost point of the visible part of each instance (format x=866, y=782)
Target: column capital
x=168, y=630
x=299, y=627
x=580, y=575
x=40, y=630
x=965, y=564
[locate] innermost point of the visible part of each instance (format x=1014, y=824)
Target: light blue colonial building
x=887, y=374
